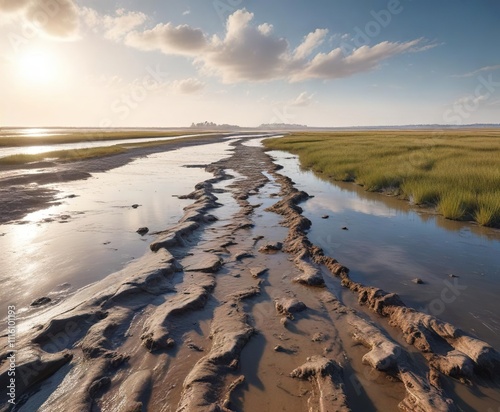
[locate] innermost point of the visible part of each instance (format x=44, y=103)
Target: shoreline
x=21, y=193
x=213, y=288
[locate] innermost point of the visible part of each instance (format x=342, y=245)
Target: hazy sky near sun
x=321, y=62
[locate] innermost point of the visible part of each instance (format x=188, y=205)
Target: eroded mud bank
x=231, y=311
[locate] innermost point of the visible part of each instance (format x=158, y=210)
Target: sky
x=321, y=63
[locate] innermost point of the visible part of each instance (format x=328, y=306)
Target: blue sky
x=320, y=63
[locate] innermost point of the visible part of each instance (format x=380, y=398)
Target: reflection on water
x=94, y=234
x=9, y=151
x=388, y=244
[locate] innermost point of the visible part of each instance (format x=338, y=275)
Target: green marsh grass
x=456, y=171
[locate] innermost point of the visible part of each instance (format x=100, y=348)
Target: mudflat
x=242, y=313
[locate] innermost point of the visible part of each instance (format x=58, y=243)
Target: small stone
x=279, y=348
x=418, y=281
x=41, y=301
x=345, y=228
x=194, y=347
x=142, y=230
x=284, y=321
x=325, y=217
x=170, y=343
x=258, y=271
x=271, y=247
x=318, y=337
x=135, y=206
x=452, y=276
x=287, y=306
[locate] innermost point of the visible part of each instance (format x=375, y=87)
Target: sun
x=38, y=66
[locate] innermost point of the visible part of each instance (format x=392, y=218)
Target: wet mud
x=234, y=308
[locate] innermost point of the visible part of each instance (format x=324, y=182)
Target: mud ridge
x=93, y=324
x=448, y=350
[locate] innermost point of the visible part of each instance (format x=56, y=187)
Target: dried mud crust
x=134, y=341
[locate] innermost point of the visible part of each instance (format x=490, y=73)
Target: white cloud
x=246, y=52
x=56, y=19
x=303, y=99
x=186, y=12
x=249, y=52
x=116, y=26
x=119, y=25
x=169, y=39
x=311, y=42
x=481, y=70
x=335, y=64
x=471, y=101
x=8, y=6
x=187, y=86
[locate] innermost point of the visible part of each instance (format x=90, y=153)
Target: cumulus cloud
x=250, y=52
x=311, y=42
x=303, y=99
x=56, y=18
x=188, y=86
x=115, y=26
x=169, y=39
x=8, y=6
x=335, y=64
x=246, y=52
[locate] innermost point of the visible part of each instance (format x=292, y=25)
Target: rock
x=258, y=271
x=418, y=281
x=240, y=255
x=271, y=247
x=135, y=206
x=287, y=306
x=279, y=348
x=194, y=347
x=318, y=337
x=202, y=262
x=325, y=217
x=41, y=301
x=345, y=228
x=326, y=377
x=452, y=276
x=142, y=230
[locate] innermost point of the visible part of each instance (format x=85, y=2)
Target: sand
x=244, y=313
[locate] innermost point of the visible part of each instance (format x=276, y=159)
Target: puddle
x=91, y=235
x=388, y=244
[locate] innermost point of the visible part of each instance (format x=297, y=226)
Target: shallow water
x=388, y=244
x=9, y=151
x=57, y=250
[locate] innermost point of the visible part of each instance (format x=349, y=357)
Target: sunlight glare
x=38, y=66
